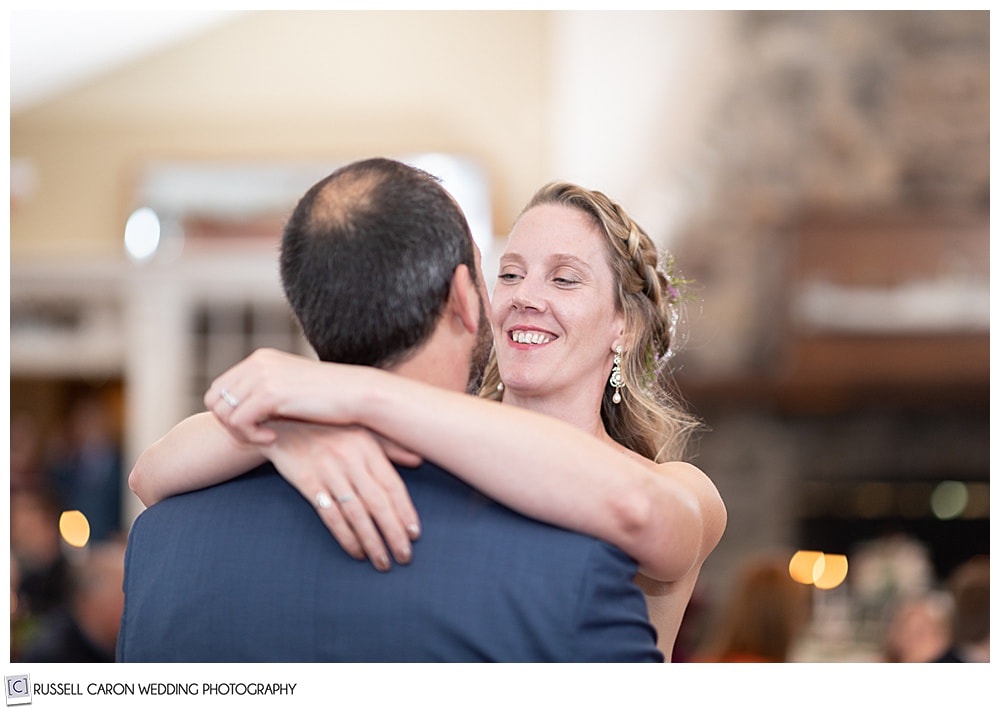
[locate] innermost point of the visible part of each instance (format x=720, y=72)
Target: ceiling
x=53, y=51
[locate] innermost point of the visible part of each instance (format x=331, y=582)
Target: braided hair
x=650, y=419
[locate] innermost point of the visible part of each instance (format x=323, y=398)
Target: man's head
x=368, y=263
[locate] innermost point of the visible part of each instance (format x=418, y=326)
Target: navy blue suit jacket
x=246, y=572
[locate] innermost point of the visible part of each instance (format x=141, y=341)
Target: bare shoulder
x=688, y=473
x=713, y=509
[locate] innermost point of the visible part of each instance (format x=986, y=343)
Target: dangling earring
x=617, y=380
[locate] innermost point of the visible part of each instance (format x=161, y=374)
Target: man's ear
x=463, y=299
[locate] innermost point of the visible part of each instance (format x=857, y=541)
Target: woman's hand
x=270, y=384
x=282, y=403
x=346, y=474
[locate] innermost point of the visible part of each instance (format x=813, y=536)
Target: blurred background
x=822, y=177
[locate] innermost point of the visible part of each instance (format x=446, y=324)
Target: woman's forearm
x=667, y=517
x=547, y=469
x=197, y=453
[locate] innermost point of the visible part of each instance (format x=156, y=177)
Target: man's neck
x=433, y=367
x=444, y=359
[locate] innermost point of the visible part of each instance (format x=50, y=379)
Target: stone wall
x=832, y=113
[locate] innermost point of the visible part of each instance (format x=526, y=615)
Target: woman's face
x=553, y=310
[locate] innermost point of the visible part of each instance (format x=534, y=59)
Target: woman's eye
x=564, y=281
x=508, y=277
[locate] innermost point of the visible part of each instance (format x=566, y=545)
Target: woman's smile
x=520, y=335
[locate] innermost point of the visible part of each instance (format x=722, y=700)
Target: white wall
x=630, y=94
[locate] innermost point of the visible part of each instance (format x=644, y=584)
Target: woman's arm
x=197, y=453
x=200, y=452
x=667, y=517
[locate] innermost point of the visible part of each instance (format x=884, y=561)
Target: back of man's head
x=367, y=259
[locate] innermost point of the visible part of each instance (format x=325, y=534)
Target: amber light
x=803, y=564
x=74, y=528
x=823, y=570
x=833, y=572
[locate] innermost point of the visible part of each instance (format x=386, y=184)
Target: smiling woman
x=580, y=271
x=554, y=316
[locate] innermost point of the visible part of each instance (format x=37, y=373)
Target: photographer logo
x=18, y=689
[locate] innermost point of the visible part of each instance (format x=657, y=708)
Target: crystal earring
x=617, y=380
x=500, y=387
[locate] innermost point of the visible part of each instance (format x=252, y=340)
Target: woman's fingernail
x=414, y=530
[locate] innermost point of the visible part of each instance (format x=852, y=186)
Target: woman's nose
x=526, y=296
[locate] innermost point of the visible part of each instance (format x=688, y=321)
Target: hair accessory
x=676, y=293
x=667, y=266
x=617, y=380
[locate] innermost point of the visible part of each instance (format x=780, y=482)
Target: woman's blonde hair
x=650, y=419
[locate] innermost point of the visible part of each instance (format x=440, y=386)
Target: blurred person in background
x=25, y=452
x=917, y=631
x=86, y=466
x=86, y=628
x=762, y=618
x=39, y=571
x=16, y=612
x=36, y=546
x=969, y=588
x=15, y=582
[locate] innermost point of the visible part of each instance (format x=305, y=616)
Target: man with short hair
x=380, y=268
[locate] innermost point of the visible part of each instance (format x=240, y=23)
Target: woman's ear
x=620, y=340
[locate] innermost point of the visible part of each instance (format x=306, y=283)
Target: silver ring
x=323, y=500
x=345, y=499
x=228, y=398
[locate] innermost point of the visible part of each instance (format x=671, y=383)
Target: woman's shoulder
x=713, y=509
x=690, y=475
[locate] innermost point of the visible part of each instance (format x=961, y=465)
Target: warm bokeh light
x=74, y=528
x=818, y=568
x=803, y=564
x=949, y=499
x=830, y=572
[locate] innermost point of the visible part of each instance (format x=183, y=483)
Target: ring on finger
x=345, y=498
x=229, y=398
x=323, y=500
